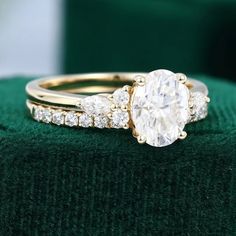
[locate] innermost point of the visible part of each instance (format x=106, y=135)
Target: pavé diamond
x=96, y=105
x=47, y=116
x=101, y=122
x=119, y=119
x=85, y=120
x=71, y=119
x=199, y=106
x=160, y=108
x=58, y=118
x=121, y=97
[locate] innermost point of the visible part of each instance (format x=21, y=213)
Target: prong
x=110, y=97
x=182, y=78
x=126, y=126
x=78, y=104
x=183, y=135
x=78, y=114
x=190, y=104
x=208, y=99
x=192, y=112
x=126, y=88
x=109, y=115
x=141, y=139
x=124, y=108
x=114, y=107
x=140, y=80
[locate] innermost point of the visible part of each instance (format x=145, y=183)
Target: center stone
x=160, y=108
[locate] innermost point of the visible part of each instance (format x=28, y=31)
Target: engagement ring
x=155, y=106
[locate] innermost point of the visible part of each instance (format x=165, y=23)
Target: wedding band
x=156, y=106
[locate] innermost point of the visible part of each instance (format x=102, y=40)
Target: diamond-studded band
x=107, y=100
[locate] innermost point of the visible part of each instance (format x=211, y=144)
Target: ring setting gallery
x=156, y=106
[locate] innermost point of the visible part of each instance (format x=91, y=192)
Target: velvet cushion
x=65, y=181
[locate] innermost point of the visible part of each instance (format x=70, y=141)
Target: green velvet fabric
x=191, y=36
x=65, y=181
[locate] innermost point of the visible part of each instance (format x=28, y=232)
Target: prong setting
x=126, y=126
x=183, y=135
x=114, y=107
x=78, y=104
x=109, y=115
x=141, y=139
x=119, y=115
x=191, y=104
x=140, y=80
x=182, y=78
x=126, y=88
x=110, y=97
x=124, y=108
x=208, y=99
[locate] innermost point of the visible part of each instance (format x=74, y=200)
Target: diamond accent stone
x=58, y=118
x=71, y=119
x=119, y=119
x=47, y=116
x=101, y=122
x=160, y=108
x=85, y=120
x=121, y=97
x=37, y=113
x=96, y=105
x=200, y=106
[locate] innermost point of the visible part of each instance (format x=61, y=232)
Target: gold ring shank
x=43, y=90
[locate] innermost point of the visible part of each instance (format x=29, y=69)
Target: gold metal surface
x=43, y=89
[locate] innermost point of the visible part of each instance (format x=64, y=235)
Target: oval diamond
x=160, y=108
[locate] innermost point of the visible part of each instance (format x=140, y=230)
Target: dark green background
x=70, y=182
x=191, y=36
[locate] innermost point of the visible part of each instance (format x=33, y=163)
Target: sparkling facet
x=199, y=106
x=85, y=120
x=47, y=116
x=38, y=113
x=58, y=118
x=101, y=122
x=160, y=108
x=96, y=105
x=119, y=119
x=71, y=119
x=121, y=97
